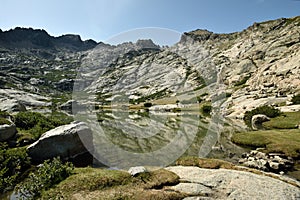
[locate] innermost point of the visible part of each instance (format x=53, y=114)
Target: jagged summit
x=29, y=38
x=147, y=43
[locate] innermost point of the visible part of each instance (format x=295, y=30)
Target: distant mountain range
x=28, y=38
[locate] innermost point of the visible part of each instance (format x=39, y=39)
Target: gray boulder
x=67, y=142
x=7, y=131
x=257, y=121
x=137, y=170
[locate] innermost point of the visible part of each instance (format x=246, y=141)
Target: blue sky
x=102, y=19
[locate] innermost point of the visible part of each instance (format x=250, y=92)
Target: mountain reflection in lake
x=124, y=138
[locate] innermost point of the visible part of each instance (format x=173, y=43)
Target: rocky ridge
x=257, y=66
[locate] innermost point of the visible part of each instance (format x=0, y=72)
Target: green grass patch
x=288, y=120
x=93, y=183
x=204, y=163
x=285, y=141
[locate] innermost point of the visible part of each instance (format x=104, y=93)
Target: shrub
x=3, y=114
x=266, y=110
x=13, y=163
x=49, y=174
x=206, y=109
x=147, y=104
x=4, y=121
x=37, y=124
x=296, y=99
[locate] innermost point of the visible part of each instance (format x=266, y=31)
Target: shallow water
x=123, y=139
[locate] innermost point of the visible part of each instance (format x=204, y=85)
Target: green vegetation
x=13, y=163
x=206, y=109
x=3, y=114
x=265, y=110
x=289, y=120
x=49, y=174
x=92, y=183
x=296, y=99
x=281, y=141
x=4, y=121
x=153, y=96
x=204, y=163
x=36, y=124
x=147, y=104
x=3, y=118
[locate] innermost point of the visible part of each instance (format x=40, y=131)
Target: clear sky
x=102, y=19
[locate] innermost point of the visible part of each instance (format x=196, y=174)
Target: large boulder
x=257, y=121
x=7, y=131
x=67, y=142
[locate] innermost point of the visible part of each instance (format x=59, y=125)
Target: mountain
x=235, y=72
x=28, y=38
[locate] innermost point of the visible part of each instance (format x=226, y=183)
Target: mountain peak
x=29, y=38
x=147, y=44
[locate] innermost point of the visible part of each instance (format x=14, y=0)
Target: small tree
x=147, y=104
x=296, y=99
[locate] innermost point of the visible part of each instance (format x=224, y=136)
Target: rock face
x=7, y=131
x=230, y=184
x=13, y=100
x=257, y=121
x=246, y=69
x=11, y=105
x=66, y=141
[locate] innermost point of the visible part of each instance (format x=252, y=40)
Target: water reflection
x=125, y=138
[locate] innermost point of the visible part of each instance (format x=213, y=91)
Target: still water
x=123, y=138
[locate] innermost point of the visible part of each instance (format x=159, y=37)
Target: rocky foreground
x=200, y=183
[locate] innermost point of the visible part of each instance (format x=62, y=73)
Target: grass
x=285, y=141
x=288, y=120
x=204, y=163
x=93, y=183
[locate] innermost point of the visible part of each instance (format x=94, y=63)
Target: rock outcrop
x=13, y=100
x=67, y=142
x=271, y=162
x=133, y=171
x=257, y=121
x=7, y=131
x=199, y=183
